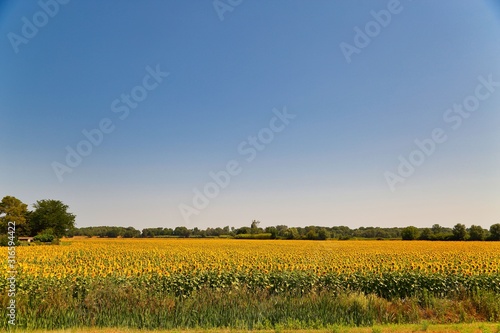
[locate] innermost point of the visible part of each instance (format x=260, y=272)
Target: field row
x=166, y=257
x=207, y=283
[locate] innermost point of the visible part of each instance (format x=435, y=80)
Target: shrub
x=4, y=240
x=44, y=237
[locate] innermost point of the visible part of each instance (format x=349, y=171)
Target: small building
x=25, y=239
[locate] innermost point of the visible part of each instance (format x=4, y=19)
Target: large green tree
x=182, y=232
x=460, y=232
x=477, y=233
x=14, y=210
x=410, y=233
x=51, y=215
x=495, y=232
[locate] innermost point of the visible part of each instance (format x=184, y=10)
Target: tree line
x=51, y=220
x=48, y=221
x=437, y=232
x=459, y=232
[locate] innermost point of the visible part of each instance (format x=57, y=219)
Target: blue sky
x=327, y=166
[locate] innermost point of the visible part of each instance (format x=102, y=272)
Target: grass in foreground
x=246, y=309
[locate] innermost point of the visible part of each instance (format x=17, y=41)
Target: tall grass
x=106, y=304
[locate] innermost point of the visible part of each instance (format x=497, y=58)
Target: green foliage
x=15, y=211
x=51, y=214
x=477, y=233
x=323, y=234
x=4, y=240
x=254, y=236
x=243, y=230
x=311, y=235
x=277, y=232
x=273, y=231
x=113, y=232
x=292, y=233
x=441, y=233
x=495, y=232
x=182, y=232
x=46, y=237
x=131, y=232
x=460, y=232
x=410, y=233
x=426, y=234
x=124, y=303
x=437, y=229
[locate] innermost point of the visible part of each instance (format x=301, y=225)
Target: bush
x=254, y=236
x=44, y=238
x=4, y=240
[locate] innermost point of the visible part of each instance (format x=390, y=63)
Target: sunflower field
x=83, y=281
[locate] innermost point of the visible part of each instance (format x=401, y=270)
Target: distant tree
x=182, y=232
x=112, y=233
x=477, y=233
x=15, y=211
x=51, y=214
x=210, y=232
x=147, y=233
x=459, y=232
x=312, y=234
x=367, y=232
x=273, y=231
x=282, y=229
x=323, y=234
x=131, y=232
x=426, y=234
x=218, y=231
x=495, y=232
x=441, y=233
x=292, y=233
x=342, y=232
x=243, y=230
x=410, y=233
x=437, y=229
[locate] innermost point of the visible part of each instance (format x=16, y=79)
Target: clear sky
x=304, y=109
